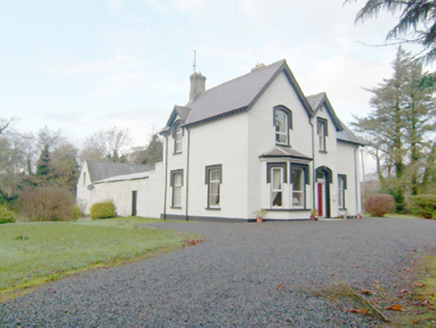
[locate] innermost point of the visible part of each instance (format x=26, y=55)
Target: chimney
x=198, y=85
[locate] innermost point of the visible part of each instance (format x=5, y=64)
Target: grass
x=37, y=252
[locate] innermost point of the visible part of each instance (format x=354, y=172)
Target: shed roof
x=103, y=170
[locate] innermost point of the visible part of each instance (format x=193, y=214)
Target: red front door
x=320, y=199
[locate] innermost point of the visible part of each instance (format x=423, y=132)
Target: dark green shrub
x=400, y=200
x=377, y=205
x=103, y=210
x=6, y=215
x=424, y=206
x=48, y=203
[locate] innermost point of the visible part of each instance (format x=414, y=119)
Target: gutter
x=313, y=166
x=356, y=180
x=166, y=178
x=187, y=171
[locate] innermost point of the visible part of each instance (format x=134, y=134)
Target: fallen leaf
x=366, y=292
x=353, y=310
x=396, y=307
x=364, y=311
x=280, y=287
x=418, y=284
x=332, y=297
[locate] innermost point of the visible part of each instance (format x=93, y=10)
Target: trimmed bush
x=424, y=206
x=377, y=205
x=6, y=215
x=103, y=210
x=47, y=203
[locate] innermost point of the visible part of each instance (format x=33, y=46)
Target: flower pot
x=259, y=219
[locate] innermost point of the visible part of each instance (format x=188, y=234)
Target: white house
x=250, y=143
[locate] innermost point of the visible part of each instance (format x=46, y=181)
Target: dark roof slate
x=232, y=95
x=103, y=170
x=284, y=152
x=314, y=100
x=348, y=136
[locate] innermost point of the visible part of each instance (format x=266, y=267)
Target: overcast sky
x=81, y=65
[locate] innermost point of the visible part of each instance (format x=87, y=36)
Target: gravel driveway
x=232, y=278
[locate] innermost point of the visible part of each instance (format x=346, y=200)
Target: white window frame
x=278, y=190
x=284, y=115
x=215, y=182
x=341, y=191
x=322, y=134
x=177, y=185
x=302, y=183
x=178, y=139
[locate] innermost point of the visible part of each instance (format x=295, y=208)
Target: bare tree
x=112, y=144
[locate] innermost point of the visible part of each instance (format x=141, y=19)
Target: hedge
x=424, y=206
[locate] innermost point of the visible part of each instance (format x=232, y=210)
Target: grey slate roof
x=283, y=152
x=103, y=170
x=314, y=100
x=126, y=177
x=344, y=133
x=348, y=136
x=232, y=95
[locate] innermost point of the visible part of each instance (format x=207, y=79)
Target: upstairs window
x=84, y=178
x=178, y=134
x=322, y=134
x=282, y=124
x=213, y=181
x=342, y=186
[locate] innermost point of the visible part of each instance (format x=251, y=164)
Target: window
x=178, y=134
x=299, y=179
x=213, y=181
x=282, y=123
x=177, y=184
x=84, y=178
x=297, y=187
x=322, y=134
x=342, y=186
x=276, y=187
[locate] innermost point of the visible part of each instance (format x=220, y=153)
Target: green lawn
x=33, y=253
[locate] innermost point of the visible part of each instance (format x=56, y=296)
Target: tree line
x=48, y=158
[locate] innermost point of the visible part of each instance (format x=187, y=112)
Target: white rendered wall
x=220, y=142
x=348, y=164
x=328, y=159
x=83, y=197
x=149, y=194
x=262, y=138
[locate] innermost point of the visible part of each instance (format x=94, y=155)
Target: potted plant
x=260, y=214
x=314, y=215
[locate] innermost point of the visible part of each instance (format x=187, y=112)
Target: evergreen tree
x=400, y=127
x=43, y=165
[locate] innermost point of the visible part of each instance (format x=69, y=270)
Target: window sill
x=178, y=153
x=213, y=208
x=283, y=145
x=288, y=209
x=342, y=209
x=176, y=207
x=323, y=151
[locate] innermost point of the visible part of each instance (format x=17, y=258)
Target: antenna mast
x=195, y=61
